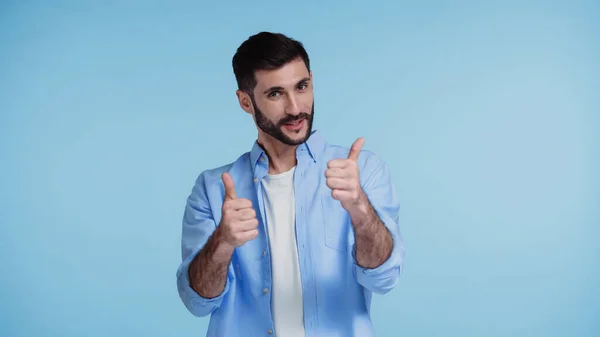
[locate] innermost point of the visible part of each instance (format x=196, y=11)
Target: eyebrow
x=306, y=79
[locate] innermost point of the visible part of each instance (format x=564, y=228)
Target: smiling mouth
x=295, y=125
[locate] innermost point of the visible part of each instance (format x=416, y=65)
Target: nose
x=293, y=108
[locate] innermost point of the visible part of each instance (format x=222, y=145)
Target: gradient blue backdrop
x=488, y=115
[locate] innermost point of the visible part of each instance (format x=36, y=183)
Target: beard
x=275, y=129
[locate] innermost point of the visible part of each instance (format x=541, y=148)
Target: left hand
x=344, y=180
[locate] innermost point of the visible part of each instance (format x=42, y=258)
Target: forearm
x=208, y=270
x=373, y=242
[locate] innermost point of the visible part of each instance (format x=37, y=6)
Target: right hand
x=238, y=221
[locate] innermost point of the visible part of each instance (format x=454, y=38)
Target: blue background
x=488, y=115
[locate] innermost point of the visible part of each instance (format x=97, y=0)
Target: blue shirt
x=336, y=290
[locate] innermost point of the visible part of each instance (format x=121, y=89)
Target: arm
x=378, y=248
x=373, y=241
x=365, y=190
x=208, y=270
x=203, y=259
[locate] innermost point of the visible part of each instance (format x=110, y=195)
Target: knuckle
x=227, y=206
x=237, y=237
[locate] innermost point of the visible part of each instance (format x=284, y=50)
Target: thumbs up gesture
x=238, y=222
x=342, y=176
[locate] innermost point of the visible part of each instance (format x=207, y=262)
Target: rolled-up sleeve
x=378, y=186
x=198, y=225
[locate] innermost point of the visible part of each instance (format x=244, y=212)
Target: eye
x=273, y=94
x=302, y=86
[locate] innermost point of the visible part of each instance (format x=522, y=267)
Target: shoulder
x=367, y=159
x=373, y=169
x=211, y=178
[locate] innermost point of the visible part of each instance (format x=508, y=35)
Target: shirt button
x=264, y=253
x=262, y=158
x=270, y=331
x=255, y=179
x=266, y=291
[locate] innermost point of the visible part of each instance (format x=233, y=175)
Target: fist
x=238, y=221
x=342, y=177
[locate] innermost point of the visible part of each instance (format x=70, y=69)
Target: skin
x=373, y=240
x=280, y=96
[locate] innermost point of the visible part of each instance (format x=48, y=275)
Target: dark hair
x=264, y=51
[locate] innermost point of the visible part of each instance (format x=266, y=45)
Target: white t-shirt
x=286, y=294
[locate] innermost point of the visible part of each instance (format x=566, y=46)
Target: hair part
x=264, y=51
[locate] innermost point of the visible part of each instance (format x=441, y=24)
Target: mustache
x=293, y=118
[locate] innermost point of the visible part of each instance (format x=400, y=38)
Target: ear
x=245, y=102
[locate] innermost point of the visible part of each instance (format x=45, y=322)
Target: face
x=283, y=104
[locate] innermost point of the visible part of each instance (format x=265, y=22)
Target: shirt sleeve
x=198, y=225
x=379, y=189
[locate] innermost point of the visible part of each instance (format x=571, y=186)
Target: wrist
x=222, y=250
x=360, y=212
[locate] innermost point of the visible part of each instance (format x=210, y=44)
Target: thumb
x=355, y=149
x=229, y=186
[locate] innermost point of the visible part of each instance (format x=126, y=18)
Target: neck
x=282, y=157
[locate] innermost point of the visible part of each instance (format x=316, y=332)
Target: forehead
x=286, y=76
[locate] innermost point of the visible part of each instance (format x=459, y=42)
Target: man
x=293, y=237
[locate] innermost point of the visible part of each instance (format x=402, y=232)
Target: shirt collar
x=313, y=147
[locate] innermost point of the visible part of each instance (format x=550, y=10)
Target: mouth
x=295, y=125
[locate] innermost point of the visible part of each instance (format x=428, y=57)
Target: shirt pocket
x=336, y=224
